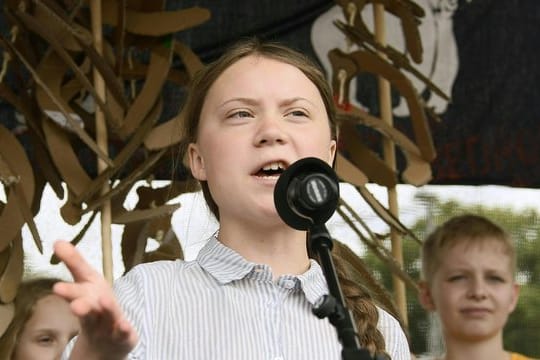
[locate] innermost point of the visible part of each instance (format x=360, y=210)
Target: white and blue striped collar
x=226, y=265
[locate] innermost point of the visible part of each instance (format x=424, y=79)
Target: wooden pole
x=385, y=105
x=102, y=141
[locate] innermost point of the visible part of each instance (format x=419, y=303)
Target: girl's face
x=259, y=116
x=47, y=332
x=473, y=291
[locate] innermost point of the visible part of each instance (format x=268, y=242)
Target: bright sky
x=193, y=223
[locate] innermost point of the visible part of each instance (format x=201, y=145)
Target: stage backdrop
x=483, y=53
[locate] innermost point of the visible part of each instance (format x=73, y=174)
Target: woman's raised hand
x=105, y=331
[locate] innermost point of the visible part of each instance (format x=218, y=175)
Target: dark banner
x=483, y=53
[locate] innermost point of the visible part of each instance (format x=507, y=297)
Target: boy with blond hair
x=468, y=267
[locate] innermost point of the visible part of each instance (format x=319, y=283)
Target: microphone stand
x=305, y=196
x=333, y=305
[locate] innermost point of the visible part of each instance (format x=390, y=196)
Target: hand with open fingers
x=105, y=331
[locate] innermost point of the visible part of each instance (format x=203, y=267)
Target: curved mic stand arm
x=333, y=305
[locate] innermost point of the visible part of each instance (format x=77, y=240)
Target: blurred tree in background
x=522, y=332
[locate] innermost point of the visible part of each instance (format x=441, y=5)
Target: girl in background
x=42, y=325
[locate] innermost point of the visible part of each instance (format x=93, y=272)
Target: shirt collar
x=223, y=263
x=226, y=265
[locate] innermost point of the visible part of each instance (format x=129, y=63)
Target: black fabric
x=490, y=131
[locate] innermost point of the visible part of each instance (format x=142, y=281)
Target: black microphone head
x=306, y=193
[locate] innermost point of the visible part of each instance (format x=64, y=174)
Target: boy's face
x=473, y=291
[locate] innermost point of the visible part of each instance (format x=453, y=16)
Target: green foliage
x=522, y=332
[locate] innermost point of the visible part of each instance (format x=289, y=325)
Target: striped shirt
x=220, y=306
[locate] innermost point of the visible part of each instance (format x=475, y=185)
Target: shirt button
x=289, y=284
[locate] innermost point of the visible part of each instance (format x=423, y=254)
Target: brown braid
x=359, y=301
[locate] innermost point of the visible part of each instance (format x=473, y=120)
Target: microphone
x=306, y=193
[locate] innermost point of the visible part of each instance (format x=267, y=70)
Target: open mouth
x=273, y=169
